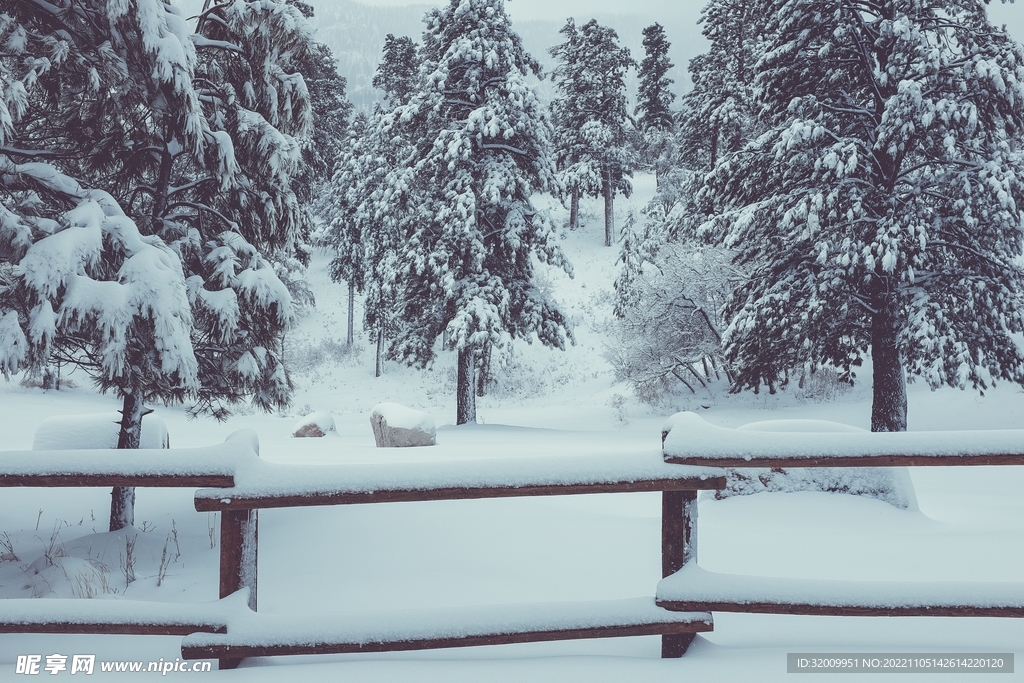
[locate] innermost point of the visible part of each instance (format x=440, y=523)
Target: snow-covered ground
x=970, y=525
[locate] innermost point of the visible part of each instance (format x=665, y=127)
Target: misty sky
x=1010, y=14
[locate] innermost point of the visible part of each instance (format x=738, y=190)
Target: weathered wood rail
x=689, y=440
x=238, y=484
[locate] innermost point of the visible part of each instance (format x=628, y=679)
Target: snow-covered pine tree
x=398, y=70
x=579, y=173
x=654, y=98
x=364, y=251
x=324, y=147
x=461, y=201
x=882, y=209
x=343, y=209
x=82, y=284
x=322, y=151
x=258, y=107
x=592, y=119
x=110, y=96
x=719, y=113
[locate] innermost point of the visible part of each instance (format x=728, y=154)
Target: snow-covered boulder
x=396, y=425
x=314, y=424
x=95, y=430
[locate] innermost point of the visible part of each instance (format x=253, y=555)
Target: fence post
x=678, y=546
x=239, y=552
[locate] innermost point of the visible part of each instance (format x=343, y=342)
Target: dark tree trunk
x=380, y=354
x=485, y=371
x=574, y=210
x=609, y=206
x=714, y=147
x=162, y=187
x=889, y=390
x=351, y=314
x=465, y=392
x=122, y=498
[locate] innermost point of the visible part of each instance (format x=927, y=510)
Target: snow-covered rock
x=314, y=424
x=95, y=430
x=396, y=425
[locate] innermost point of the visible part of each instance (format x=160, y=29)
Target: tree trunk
x=574, y=210
x=465, y=394
x=351, y=314
x=122, y=498
x=485, y=371
x=609, y=206
x=162, y=187
x=889, y=389
x=380, y=353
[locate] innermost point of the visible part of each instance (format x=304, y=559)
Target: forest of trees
x=842, y=182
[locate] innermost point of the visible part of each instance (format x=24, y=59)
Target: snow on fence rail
x=267, y=635
x=179, y=467
x=688, y=439
x=259, y=484
x=244, y=484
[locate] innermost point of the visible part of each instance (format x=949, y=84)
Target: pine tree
x=82, y=283
x=363, y=249
x=259, y=110
x=398, y=70
x=654, y=98
x=719, y=114
x=324, y=148
x=653, y=95
x=187, y=162
x=461, y=200
x=881, y=209
x=591, y=115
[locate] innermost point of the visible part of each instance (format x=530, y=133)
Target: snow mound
x=396, y=425
x=314, y=425
x=94, y=430
x=889, y=484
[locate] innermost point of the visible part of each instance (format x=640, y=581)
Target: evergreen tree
x=259, y=111
x=461, y=200
x=881, y=209
x=654, y=97
x=194, y=156
x=591, y=115
x=82, y=283
x=719, y=113
x=398, y=70
x=324, y=148
x=656, y=121
x=364, y=250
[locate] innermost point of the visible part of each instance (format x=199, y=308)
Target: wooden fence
x=689, y=440
x=234, y=481
x=239, y=484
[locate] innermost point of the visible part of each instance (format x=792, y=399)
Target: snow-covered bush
x=890, y=484
x=667, y=334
